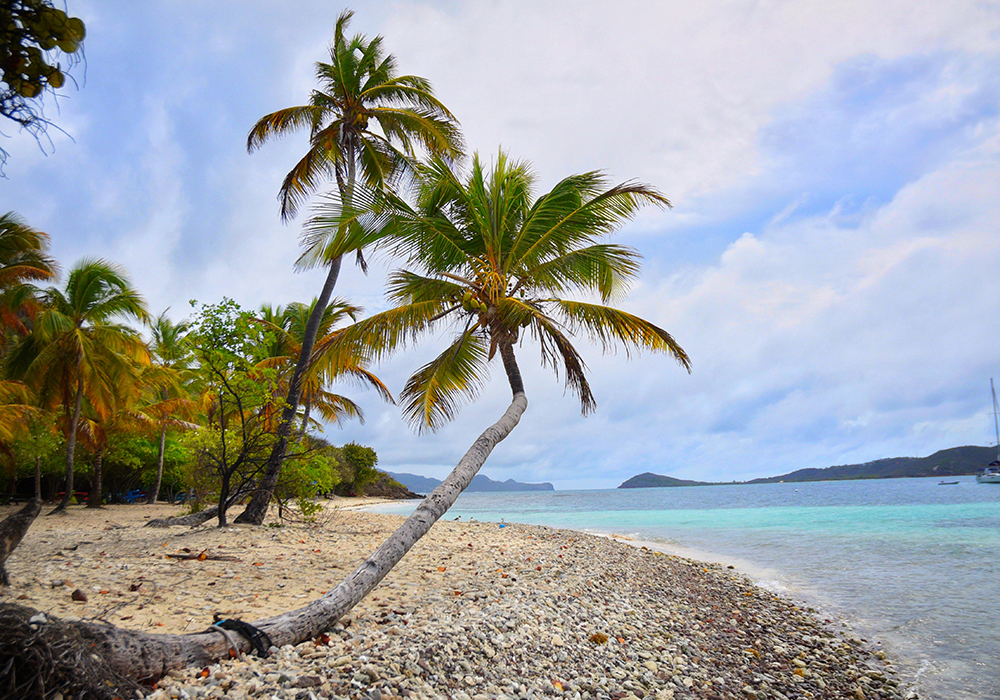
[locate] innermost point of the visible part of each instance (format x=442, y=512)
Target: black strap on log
x=257, y=637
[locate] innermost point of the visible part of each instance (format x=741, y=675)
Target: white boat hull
x=988, y=479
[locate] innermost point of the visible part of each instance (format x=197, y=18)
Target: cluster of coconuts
x=24, y=66
x=471, y=303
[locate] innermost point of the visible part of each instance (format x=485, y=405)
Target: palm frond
x=612, y=327
x=282, y=122
x=436, y=392
x=605, y=268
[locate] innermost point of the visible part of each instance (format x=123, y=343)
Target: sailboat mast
x=996, y=419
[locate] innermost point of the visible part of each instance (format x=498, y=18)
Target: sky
x=831, y=263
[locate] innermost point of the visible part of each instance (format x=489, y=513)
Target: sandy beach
x=475, y=611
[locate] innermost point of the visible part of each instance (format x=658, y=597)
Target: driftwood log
x=12, y=531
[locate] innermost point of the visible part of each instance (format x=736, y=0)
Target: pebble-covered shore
x=479, y=611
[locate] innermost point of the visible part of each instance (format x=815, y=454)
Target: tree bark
x=12, y=531
x=256, y=510
x=147, y=657
x=94, y=500
x=191, y=519
x=71, y=449
x=155, y=496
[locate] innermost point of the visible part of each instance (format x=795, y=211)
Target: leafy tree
x=75, y=351
x=33, y=35
x=364, y=123
x=239, y=396
x=357, y=468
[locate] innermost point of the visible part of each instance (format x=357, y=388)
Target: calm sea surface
x=906, y=563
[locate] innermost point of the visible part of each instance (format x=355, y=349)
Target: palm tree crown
x=362, y=116
x=497, y=263
x=23, y=259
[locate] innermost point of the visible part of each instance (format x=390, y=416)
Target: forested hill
x=951, y=462
x=650, y=480
x=480, y=482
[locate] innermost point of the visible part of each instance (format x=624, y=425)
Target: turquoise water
x=909, y=564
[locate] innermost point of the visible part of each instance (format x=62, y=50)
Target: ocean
x=909, y=565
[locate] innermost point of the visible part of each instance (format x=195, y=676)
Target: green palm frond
x=381, y=334
x=612, y=327
x=406, y=287
x=576, y=213
x=436, y=392
x=556, y=350
x=337, y=228
x=605, y=268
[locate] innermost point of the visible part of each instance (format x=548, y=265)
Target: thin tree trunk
x=256, y=510
x=305, y=419
x=94, y=500
x=155, y=496
x=71, y=449
x=148, y=657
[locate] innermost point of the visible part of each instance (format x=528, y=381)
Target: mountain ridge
x=480, y=483
x=953, y=461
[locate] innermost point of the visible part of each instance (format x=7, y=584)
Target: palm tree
x=496, y=264
x=168, y=401
x=288, y=327
x=75, y=351
x=365, y=123
x=23, y=259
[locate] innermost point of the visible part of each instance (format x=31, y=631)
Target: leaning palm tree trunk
x=256, y=510
x=147, y=657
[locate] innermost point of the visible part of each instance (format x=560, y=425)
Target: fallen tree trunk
x=191, y=519
x=12, y=531
x=147, y=657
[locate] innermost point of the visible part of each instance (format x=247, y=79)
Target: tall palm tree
x=168, y=401
x=485, y=236
x=365, y=123
x=23, y=259
x=75, y=350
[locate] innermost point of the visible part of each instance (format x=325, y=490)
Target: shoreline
x=473, y=611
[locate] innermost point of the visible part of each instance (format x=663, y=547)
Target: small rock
x=79, y=596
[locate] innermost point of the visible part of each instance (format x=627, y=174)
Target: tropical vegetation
x=224, y=406
x=366, y=123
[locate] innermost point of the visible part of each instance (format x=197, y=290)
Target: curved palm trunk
x=155, y=496
x=148, y=657
x=256, y=510
x=71, y=449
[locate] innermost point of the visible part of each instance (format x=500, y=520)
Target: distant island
x=955, y=461
x=649, y=480
x=480, y=483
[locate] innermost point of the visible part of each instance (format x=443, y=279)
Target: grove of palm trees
x=224, y=407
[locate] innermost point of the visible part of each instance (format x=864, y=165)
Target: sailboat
x=991, y=475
